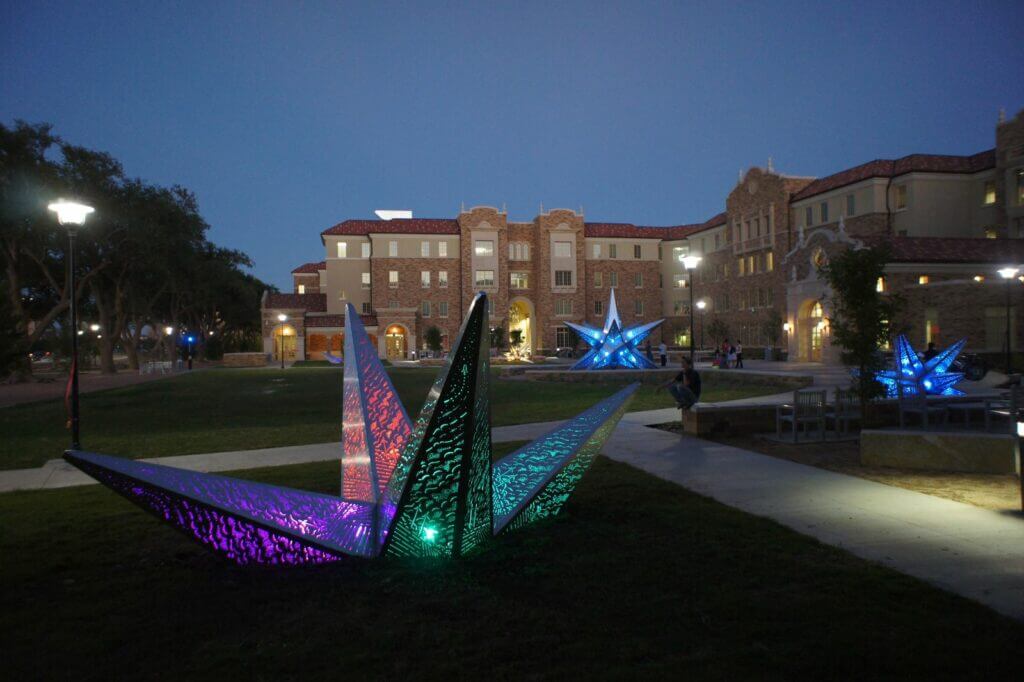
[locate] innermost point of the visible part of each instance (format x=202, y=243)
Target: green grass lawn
x=637, y=579
x=220, y=410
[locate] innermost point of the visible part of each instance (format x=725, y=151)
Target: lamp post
x=691, y=263
x=282, y=318
x=1008, y=274
x=168, y=330
x=72, y=216
x=701, y=305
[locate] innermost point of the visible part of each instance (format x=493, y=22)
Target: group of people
x=728, y=355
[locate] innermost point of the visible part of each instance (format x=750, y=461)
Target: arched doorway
x=284, y=341
x=811, y=330
x=520, y=327
x=395, y=341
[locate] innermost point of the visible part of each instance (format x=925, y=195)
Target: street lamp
x=691, y=263
x=701, y=305
x=72, y=216
x=1008, y=274
x=282, y=318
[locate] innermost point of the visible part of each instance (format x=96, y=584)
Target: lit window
x=990, y=193
x=597, y=250
x=342, y=249
x=598, y=307
x=769, y=261
x=880, y=284
x=638, y=307
x=563, y=338
x=563, y=249
x=979, y=278
x=636, y=251
x=302, y=288
x=563, y=278
x=991, y=233
x=613, y=251
x=425, y=279
x=613, y=279
x=425, y=249
x=442, y=249
x=364, y=249
x=442, y=279
x=563, y=306
x=851, y=205
x=442, y=309
x=393, y=249
x=393, y=279
x=598, y=280
x=824, y=211
x=425, y=309
x=638, y=280
x=364, y=280
x=483, y=248
x=741, y=267
x=923, y=279
x=519, y=280
x=342, y=296
x=484, y=278
x=900, y=197
x=366, y=307
x=680, y=282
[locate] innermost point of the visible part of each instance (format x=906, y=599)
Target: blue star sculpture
x=913, y=377
x=613, y=346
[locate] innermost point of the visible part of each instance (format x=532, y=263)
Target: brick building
x=951, y=222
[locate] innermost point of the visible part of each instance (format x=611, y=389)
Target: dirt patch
x=988, y=491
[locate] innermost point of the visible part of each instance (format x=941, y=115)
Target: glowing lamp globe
x=282, y=317
x=70, y=212
x=168, y=330
x=1007, y=273
x=701, y=305
x=690, y=262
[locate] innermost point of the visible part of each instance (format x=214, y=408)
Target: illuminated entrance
x=811, y=330
x=284, y=339
x=520, y=318
x=395, y=341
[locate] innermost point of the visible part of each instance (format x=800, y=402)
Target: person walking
x=663, y=353
x=739, y=354
x=684, y=386
x=648, y=352
x=724, y=364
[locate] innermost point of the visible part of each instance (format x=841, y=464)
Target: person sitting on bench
x=685, y=386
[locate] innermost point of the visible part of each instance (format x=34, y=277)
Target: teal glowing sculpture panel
x=422, y=490
x=614, y=346
x=911, y=376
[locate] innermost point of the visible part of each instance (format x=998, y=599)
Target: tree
x=861, y=315
x=432, y=337
x=718, y=330
x=498, y=337
x=771, y=327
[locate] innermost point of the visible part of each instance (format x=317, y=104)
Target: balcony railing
x=753, y=244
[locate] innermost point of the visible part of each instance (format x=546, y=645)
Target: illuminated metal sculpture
x=428, y=489
x=911, y=376
x=613, y=346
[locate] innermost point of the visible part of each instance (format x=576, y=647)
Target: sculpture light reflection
x=910, y=376
x=613, y=346
x=427, y=489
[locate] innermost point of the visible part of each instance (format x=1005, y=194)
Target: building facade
x=949, y=221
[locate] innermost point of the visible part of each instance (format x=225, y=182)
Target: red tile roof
x=397, y=226
x=337, y=320
x=891, y=168
x=630, y=230
x=307, y=268
x=681, y=231
x=951, y=249
x=313, y=303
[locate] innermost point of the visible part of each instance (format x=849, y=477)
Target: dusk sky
x=286, y=118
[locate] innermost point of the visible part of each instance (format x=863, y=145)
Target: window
x=366, y=307
x=442, y=309
x=563, y=306
x=302, y=288
x=824, y=211
x=995, y=327
x=613, y=279
x=931, y=324
x=519, y=280
x=563, y=249
x=483, y=248
x=769, y=261
x=851, y=205
x=880, y=285
x=563, y=338
x=900, y=197
x=598, y=280
x=809, y=216
x=342, y=296
x=757, y=227
x=519, y=251
x=442, y=279
x=678, y=307
x=598, y=307
x=393, y=279
x=364, y=249
x=425, y=309
x=597, y=250
x=392, y=249
x=563, y=278
x=612, y=251
x=425, y=249
x=923, y=279
x=636, y=251
x=364, y=279
x=342, y=250
x=680, y=282
x=484, y=278
x=638, y=280
x=425, y=279
x=638, y=307
x=740, y=268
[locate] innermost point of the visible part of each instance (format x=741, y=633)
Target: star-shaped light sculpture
x=613, y=346
x=910, y=376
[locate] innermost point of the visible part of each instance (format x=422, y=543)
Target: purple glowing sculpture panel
x=424, y=491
